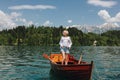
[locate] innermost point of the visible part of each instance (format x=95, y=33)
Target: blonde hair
x=65, y=32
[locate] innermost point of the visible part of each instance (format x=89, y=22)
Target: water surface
x=27, y=63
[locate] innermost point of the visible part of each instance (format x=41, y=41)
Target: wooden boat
x=72, y=71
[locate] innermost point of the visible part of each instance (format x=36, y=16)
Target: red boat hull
x=75, y=70
x=72, y=71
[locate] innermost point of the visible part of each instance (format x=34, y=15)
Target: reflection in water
x=27, y=63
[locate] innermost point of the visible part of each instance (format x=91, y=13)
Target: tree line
x=50, y=36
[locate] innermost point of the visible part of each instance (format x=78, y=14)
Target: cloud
x=15, y=14
x=108, y=26
x=102, y=3
x=33, y=7
x=69, y=21
x=9, y=21
x=29, y=23
x=47, y=23
x=6, y=21
x=24, y=21
x=110, y=22
x=106, y=16
x=21, y=20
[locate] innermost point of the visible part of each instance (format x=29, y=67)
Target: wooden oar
x=47, y=57
x=80, y=59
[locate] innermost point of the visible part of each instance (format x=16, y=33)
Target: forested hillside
x=50, y=36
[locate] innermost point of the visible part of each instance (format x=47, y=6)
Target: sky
x=58, y=12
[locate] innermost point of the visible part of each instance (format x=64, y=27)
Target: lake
x=27, y=63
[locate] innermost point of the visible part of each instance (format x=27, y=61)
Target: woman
x=65, y=45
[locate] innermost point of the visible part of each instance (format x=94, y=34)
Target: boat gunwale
x=86, y=64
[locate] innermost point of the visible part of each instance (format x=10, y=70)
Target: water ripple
x=27, y=63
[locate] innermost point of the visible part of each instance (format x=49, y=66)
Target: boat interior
x=57, y=58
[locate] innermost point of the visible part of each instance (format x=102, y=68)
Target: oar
x=80, y=59
x=47, y=57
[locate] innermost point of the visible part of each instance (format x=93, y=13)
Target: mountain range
x=97, y=29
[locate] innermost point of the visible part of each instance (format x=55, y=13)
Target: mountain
x=97, y=29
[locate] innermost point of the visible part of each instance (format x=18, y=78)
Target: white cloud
x=102, y=3
x=21, y=20
x=9, y=21
x=110, y=22
x=41, y=7
x=107, y=26
x=6, y=21
x=29, y=23
x=69, y=21
x=47, y=23
x=24, y=21
x=15, y=14
x=106, y=16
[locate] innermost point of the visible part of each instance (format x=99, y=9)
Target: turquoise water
x=27, y=63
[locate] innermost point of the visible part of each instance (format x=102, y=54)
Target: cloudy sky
x=58, y=12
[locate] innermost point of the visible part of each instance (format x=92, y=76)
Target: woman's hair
x=65, y=32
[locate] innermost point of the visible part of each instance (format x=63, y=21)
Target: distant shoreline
x=50, y=36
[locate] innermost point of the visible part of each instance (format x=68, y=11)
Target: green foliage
x=49, y=36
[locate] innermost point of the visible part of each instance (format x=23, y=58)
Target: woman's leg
x=66, y=59
x=63, y=60
x=66, y=56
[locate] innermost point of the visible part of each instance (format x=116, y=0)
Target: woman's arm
x=70, y=43
x=61, y=42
